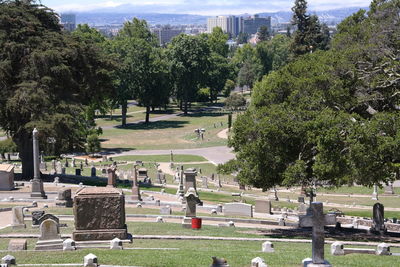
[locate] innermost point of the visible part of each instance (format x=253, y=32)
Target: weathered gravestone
x=99, y=214
x=258, y=262
x=65, y=198
x=238, y=209
x=389, y=189
x=36, y=216
x=160, y=177
x=190, y=179
x=317, y=220
x=302, y=208
x=50, y=238
x=375, y=193
x=378, y=224
x=204, y=180
x=48, y=216
x=78, y=172
x=135, y=187
x=192, y=199
x=93, y=171
x=18, y=218
x=6, y=177
x=166, y=210
x=263, y=206
x=219, y=262
x=17, y=244
x=112, y=179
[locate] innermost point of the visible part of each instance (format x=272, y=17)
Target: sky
x=199, y=7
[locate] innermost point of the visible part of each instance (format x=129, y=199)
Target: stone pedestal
x=187, y=222
x=37, y=183
x=37, y=189
x=190, y=179
x=6, y=177
x=112, y=180
x=99, y=214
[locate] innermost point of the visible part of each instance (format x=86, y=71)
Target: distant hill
x=118, y=16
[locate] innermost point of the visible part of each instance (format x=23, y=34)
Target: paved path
x=216, y=155
x=223, y=134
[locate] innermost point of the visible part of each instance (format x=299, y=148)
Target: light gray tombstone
x=54, y=167
x=192, y=199
x=37, y=183
x=90, y=260
x=8, y=260
x=59, y=167
x=337, y=249
x=6, y=177
x=317, y=220
x=383, y=249
x=190, y=179
x=258, y=262
x=263, y=206
x=49, y=230
x=389, y=189
x=204, y=180
x=302, y=208
x=378, y=224
x=69, y=245
x=158, y=178
x=220, y=208
x=18, y=218
x=65, y=198
x=268, y=247
x=166, y=210
x=116, y=244
x=238, y=209
x=17, y=244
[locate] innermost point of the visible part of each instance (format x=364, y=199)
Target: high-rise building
x=229, y=24
x=166, y=33
x=68, y=21
x=252, y=25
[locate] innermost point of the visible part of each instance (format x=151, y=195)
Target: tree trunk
x=25, y=149
x=180, y=105
x=147, y=114
x=124, y=109
x=153, y=108
x=186, y=108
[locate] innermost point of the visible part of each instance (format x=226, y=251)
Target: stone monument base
x=56, y=244
x=309, y=263
x=37, y=189
x=64, y=203
x=106, y=234
x=187, y=222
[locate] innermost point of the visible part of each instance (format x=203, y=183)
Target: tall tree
x=47, y=77
x=189, y=59
x=263, y=34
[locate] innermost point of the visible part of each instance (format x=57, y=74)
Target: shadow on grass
x=203, y=114
x=154, y=125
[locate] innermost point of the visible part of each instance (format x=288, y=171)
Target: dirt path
x=223, y=134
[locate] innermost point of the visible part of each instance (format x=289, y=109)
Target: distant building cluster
x=235, y=25
x=68, y=21
x=166, y=33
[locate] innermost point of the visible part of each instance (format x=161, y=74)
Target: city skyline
x=196, y=7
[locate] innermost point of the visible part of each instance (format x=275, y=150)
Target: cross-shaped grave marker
x=317, y=220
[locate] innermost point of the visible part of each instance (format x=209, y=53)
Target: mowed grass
x=175, y=133
x=162, y=158
x=197, y=253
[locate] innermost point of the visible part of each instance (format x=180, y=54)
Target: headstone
x=181, y=190
x=383, y=249
x=90, y=260
x=268, y=247
x=99, y=214
x=6, y=177
x=302, y=208
x=93, y=171
x=219, y=262
x=36, y=216
x=135, y=187
x=158, y=178
x=190, y=179
x=63, y=170
x=50, y=238
x=263, y=206
x=142, y=173
x=58, y=167
x=66, y=163
x=375, y=193
x=18, y=218
x=337, y=249
x=317, y=220
x=37, y=183
x=73, y=165
x=112, y=180
x=238, y=209
x=192, y=199
x=17, y=244
x=258, y=262
x=69, y=245
x=53, y=166
x=86, y=162
x=166, y=210
x=389, y=189
x=48, y=217
x=220, y=208
x=160, y=219
x=378, y=224
x=78, y=172
x=300, y=199
x=9, y=260
x=64, y=198
x=116, y=244
x=204, y=180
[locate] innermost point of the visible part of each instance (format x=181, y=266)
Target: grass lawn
x=198, y=253
x=2, y=133
x=162, y=158
x=178, y=132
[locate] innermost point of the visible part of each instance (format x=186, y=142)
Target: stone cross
x=37, y=183
x=317, y=220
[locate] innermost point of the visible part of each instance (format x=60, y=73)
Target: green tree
x=274, y=53
x=217, y=42
x=7, y=146
x=93, y=144
x=229, y=87
x=235, y=101
x=242, y=38
x=189, y=59
x=48, y=77
x=263, y=34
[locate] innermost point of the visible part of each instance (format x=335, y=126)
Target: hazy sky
x=201, y=7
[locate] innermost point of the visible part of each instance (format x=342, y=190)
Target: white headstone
x=8, y=259
x=238, y=209
x=116, y=244
x=268, y=247
x=337, y=249
x=258, y=262
x=18, y=218
x=160, y=219
x=69, y=245
x=90, y=260
x=383, y=249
